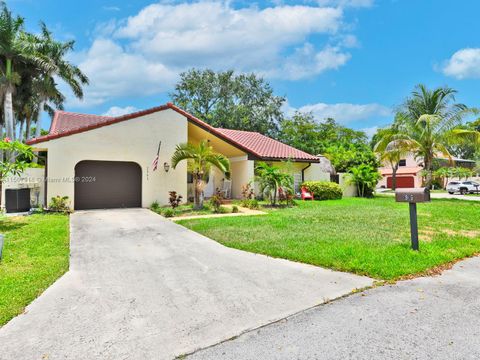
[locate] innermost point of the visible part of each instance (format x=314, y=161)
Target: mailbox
x=412, y=195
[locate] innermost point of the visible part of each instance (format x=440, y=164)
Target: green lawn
x=35, y=254
x=364, y=236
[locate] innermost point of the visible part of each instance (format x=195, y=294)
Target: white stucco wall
x=349, y=189
x=315, y=173
x=131, y=140
x=242, y=172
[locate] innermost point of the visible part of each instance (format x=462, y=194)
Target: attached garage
x=107, y=185
x=402, y=182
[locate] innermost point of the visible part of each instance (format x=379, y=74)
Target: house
x=106, y=162
x=409, y=172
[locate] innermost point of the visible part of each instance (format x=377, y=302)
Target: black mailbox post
x=413, y=196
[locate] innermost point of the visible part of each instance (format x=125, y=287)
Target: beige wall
x=315, y=173
x=349, y=189
x=242, y=172
x=132, y=140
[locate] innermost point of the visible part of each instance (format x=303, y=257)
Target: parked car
x=463, y=187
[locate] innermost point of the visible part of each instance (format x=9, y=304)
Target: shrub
x=223, y=210
x=250, y=204
x=235, y=209
x=168, y=213
x=174, y=199
x=324, y=190
x=248, y=192
x=365, y=177
x=155, y=206
x=216, y=201
x=59, y=204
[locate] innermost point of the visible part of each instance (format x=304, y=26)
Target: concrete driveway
x=142, y=287
x=424, y=318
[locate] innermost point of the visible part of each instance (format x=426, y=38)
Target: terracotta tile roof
x=64, y=122
x=266, y=147
x=260, y=146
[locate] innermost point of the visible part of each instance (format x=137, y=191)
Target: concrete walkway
x=425, y=318
x=142, y=287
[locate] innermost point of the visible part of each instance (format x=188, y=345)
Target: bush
x=250, y=204
x=365, y=177
x=235, y=209
x=174, y=199
x=155, y=206
x=324, y=190
x=223, y=210
x=168, y=213
x=216, y=201
x=59, y=204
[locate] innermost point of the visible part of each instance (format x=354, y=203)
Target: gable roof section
x=265, y=147
x=260, y=146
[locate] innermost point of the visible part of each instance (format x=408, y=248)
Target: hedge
x=324, y=190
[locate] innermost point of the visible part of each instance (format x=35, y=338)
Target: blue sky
x=354, y=60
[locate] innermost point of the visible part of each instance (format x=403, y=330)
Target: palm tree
x=271, y=178
x=45, y=85
x=16, y=47
x=428, y=122
x=200, y=159
x=444, y=173
x=391, y=150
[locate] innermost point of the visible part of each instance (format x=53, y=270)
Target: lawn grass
x=364, y=236
x=35, y=254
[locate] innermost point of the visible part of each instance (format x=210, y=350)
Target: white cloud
x=306, y=61
x=346, y=3
x=114, y=72
x=465, y=63
x=118, y=111
x=370, y=131
x=346, y=113
x=143, y=54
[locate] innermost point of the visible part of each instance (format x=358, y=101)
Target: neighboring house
x=106, y=162
x=409, y=173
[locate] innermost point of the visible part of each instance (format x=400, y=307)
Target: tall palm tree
x=428, y=121
x=200, y=159
x=391, y=150
x=45, y=85
x=16, y=47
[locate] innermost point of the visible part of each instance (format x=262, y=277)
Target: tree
x=17, y=159
x=226, y=100
x=45, y=87
x=428, y=121
x=16, y=47
x=391, y=150
x=444, y=173
x=200, y=159
x=271, y=178
x=365, y=177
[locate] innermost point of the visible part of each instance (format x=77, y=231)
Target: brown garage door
x=107, y=185
x=402, y=182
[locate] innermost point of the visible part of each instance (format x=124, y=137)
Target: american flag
x=155, y=161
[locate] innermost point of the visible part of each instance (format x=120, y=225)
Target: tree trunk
x=394, y=177
x=20, y=130
x=27, y=128
x=38, y=120
x=428, y=168
x=8, y=112
x=197, y=198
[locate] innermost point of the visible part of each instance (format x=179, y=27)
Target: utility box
x=412, y=195
x=17, y=200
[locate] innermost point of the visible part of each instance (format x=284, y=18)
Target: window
x=189, y=178
x=402, y=162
